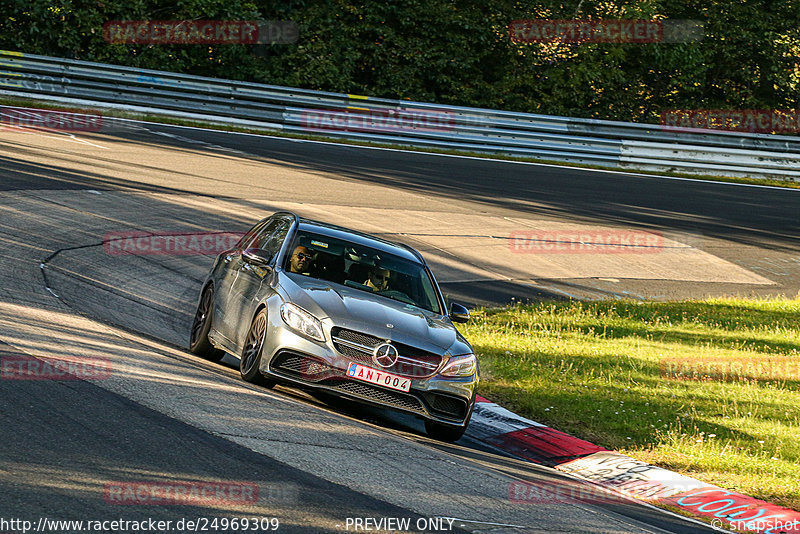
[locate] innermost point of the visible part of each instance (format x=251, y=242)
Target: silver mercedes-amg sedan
x=327, y=308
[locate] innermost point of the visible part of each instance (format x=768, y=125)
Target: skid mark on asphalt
x=60, y=136
x=205, y=144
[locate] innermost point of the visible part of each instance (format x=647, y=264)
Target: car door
x=246, y=292
x=225, y=313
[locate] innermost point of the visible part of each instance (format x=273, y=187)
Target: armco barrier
x=608, y=143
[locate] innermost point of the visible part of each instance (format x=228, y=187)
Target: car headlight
x=460, y=366
x=301, y=321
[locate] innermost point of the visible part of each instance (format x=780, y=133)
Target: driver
x=301, y=260
x=378, y=279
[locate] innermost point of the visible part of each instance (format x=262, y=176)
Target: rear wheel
x=198, y=339
x=444, y=432
x=250, y=360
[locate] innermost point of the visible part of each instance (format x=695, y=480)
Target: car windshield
x=363, y=268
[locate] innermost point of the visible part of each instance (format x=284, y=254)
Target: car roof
x=359, y=238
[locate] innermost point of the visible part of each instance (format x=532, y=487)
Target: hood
x=365, y=312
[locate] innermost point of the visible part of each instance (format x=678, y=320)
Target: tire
x=443, y=432
x=250, y=360
x=198, y=337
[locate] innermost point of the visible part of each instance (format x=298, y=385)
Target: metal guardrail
x=381, y=120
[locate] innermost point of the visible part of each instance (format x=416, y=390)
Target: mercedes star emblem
x=385, y=355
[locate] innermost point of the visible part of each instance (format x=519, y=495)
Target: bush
x=456, y=52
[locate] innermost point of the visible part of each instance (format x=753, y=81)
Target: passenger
x=378, y=279
x=301, y=260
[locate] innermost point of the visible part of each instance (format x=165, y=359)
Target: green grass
x=210, y=124
x=598, y=371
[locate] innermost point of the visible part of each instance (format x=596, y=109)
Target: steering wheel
x=397, y=295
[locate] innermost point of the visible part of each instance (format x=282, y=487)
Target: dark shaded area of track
x=765, y=217
x=66, y=440
x=756, y=228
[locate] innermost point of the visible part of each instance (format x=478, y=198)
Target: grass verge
x=165, y=119
x=710, y=389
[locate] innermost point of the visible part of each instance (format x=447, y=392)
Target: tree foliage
x=456, y=52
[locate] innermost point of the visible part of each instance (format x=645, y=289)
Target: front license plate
x=373, y=376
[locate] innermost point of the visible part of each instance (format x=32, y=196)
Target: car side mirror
x=257, y=256
x=458, y=313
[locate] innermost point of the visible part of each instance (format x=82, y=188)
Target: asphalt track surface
x=164, y=415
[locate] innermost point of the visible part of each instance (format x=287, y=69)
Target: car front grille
x=412, y=362
x=388, y=397
x=357, y=337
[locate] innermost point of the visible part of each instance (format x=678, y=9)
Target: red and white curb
x=541, y=444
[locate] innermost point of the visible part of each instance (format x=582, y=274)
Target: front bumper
x=291, y=357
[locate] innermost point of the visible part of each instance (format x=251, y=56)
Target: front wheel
x=443, y=432
x=250, y=360
x=198, y=338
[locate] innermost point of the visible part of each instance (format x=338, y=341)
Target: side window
x=248, y=238
x=271, y=236
x=278, y=235
x=263, y=236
